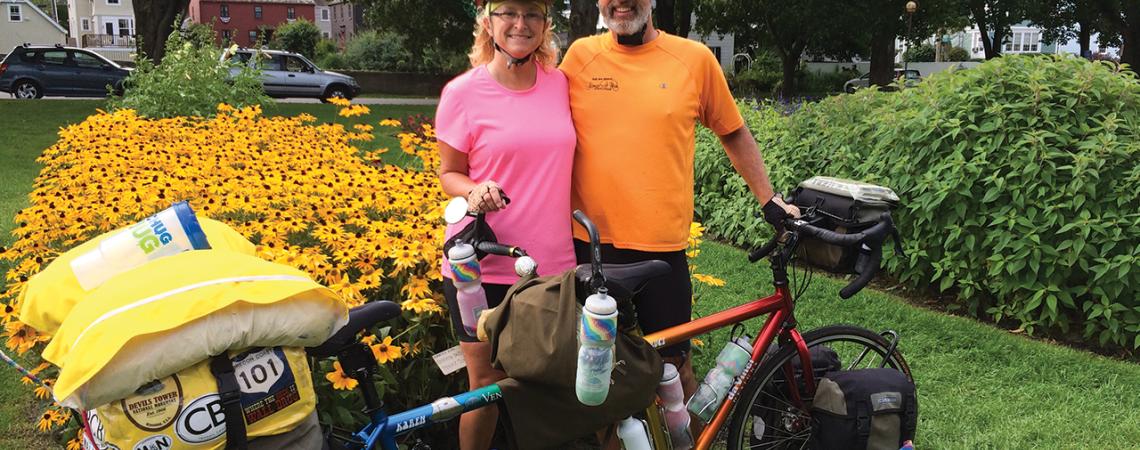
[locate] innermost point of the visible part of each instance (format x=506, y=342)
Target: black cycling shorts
x=665, y=301
x=495, y=295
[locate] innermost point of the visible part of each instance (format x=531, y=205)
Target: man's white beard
x=627, y=27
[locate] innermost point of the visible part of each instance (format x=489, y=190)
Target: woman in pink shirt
x=504, y=127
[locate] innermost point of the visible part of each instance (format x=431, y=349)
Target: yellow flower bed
x=298, y=189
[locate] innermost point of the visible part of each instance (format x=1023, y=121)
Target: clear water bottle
x=467, y=274
x=634, y=434
x=171, y=231
x=596, y=334
x=676, y=416
x=730, y=364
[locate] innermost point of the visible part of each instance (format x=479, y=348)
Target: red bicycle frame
x=780, y=322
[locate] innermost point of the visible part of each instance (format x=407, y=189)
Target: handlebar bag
x=842, y=206
x=174, y=312
x=184, y=410
x=533, y=336
x=863, y=409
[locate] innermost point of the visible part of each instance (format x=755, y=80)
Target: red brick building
x=249, y=22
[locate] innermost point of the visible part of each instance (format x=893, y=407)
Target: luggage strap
x=862, y=423
x=223, y=370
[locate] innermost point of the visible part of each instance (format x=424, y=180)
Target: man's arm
x=746, y=159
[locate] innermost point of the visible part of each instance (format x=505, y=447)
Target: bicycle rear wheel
x=767, y=416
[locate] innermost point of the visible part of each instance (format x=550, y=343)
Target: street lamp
x=911, y=7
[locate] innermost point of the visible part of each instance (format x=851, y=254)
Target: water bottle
x=596, y=334
x=469, y=293
x=634, y=434
x=171, y=231
x=730, y=364
x=676, y=416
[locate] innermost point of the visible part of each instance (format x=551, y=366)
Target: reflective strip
x=154, y=298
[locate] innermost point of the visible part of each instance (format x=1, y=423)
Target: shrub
x=372, y=50
x=957, y=54
x=760, y=78
x=298, y=36
x=919, y=53
x=824, y=82
x=1019, y=179
x=190, y=81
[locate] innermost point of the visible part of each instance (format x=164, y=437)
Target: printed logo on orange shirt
x=602, y=84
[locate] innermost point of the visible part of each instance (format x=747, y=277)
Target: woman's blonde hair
x=483, y=51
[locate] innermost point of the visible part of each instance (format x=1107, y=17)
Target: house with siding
x=347, y=20
x=324, y=18
x=23, y=22
x=104, y=26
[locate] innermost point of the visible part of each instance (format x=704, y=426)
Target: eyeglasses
x=531, y=18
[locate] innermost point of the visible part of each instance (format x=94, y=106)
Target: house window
x=253, y=37
x=256, y=12
x=15, y=13
x=85, y=24
x=325, y=34
x=291, y=13
x=225, y=12
x=716, y=52
x=227, y=36
x=126, y=27
x=325, y=15
x=112, y=2
x=1032, y=42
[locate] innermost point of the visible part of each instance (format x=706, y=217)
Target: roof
x=38, y=10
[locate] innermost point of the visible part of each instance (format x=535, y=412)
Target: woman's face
x=518, y=26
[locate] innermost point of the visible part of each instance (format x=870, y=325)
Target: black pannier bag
x=864, y=409
x=843, y=206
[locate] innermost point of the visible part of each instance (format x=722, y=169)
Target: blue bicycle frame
x=383, y=429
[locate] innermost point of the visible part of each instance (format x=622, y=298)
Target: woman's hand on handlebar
x=486, y=196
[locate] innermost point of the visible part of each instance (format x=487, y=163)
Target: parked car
x=31, y=71
x=285, y=74
x=912, y=78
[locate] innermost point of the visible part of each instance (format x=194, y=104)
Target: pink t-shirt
x=524, y=140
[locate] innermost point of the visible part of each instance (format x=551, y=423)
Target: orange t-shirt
x=635, y=111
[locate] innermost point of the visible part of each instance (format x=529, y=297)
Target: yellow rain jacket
x=174, y=312
x=50, y=294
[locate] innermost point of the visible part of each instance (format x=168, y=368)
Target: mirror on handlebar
x=455, y=211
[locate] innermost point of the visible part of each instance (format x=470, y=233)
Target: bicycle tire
x=787, y=426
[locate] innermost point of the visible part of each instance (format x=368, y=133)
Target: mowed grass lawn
x=29, y=127
x=979, y=386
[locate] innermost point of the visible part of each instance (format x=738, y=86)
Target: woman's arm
x=483, y=196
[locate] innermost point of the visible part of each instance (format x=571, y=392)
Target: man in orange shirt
x=636, y=95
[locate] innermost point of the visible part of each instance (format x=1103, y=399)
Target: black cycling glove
x=775, y=214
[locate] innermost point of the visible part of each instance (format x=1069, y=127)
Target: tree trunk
x=683, y=16
x=790, y=63
x=583, y=19
x=882, y=57
x=991, y=45
x=1130, y=35
x=665, y=17
x=154, y=21
x=1084, y=37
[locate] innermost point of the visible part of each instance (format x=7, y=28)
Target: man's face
x=625, y=16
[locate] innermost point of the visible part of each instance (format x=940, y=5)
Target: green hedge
x=1019, y=179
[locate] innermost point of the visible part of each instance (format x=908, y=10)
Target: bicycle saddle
x=359, y=318
x=623, y=280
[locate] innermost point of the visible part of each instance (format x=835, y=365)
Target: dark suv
x=32, y=71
